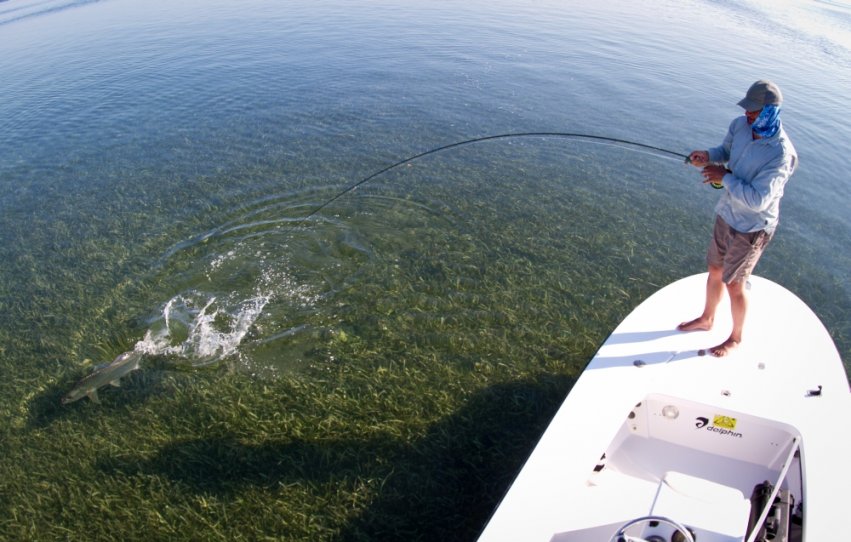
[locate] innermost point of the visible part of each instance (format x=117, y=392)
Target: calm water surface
x=157, y=160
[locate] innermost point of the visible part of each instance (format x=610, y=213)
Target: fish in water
x=107, y=374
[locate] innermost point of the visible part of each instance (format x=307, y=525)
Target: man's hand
x=699, y=158
x=714, y=174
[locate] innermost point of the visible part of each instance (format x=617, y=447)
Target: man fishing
x=752, y=166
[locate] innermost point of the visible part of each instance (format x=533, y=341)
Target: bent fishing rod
x=569, y=135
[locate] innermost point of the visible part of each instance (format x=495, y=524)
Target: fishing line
x=479, y=140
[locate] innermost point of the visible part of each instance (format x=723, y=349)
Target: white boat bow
x=655, y=426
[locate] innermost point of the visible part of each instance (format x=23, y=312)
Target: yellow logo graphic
x=724, y=422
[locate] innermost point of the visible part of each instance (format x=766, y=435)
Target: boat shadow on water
x=443, y=486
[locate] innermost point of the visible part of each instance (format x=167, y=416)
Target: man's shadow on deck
x=443, y=486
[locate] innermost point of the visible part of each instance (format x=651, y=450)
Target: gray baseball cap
x=761, y=93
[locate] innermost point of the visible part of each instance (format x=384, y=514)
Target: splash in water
x=202, y=329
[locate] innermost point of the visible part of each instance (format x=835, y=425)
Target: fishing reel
x=716, y=186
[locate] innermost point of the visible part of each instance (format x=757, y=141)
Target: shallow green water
x=395, y=327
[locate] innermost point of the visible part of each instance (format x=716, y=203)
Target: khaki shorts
x=734, y=251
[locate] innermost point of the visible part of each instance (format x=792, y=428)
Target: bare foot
x=724, y=348
x=698, y=324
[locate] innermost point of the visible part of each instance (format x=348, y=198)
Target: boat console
x=682, y=470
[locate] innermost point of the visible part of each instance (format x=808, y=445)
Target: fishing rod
x=488, y=138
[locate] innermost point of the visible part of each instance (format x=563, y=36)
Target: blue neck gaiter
x=767, y=124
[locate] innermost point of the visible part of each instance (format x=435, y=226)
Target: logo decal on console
x=723, y=425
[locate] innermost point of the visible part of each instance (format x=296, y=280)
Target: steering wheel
x=621, y=536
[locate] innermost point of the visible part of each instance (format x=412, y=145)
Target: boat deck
x=785, y=353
